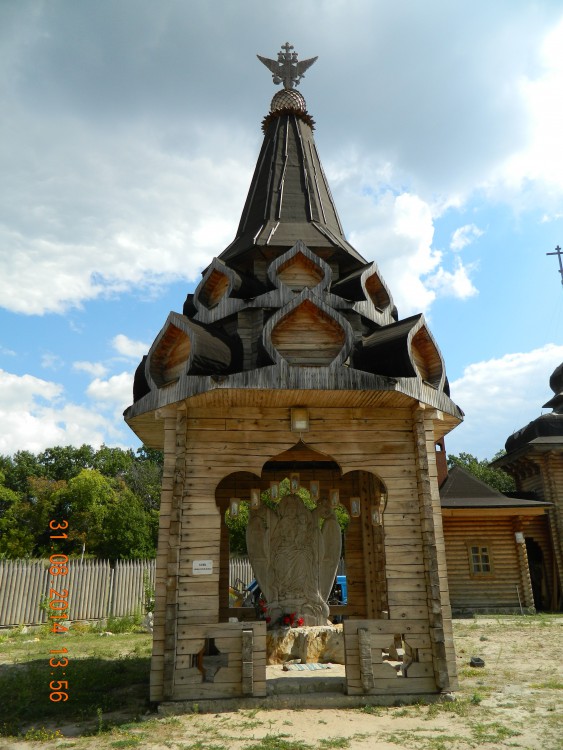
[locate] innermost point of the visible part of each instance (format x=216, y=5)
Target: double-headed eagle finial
x=287, y=69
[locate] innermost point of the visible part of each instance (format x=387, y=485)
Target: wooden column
x=166, y=582
x=526, y=592
x=439, y=610
x=367, y=498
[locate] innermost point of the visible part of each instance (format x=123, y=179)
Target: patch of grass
x=442, y=742
x=473, y=672
x=492, y=732
x=250, y=724
x=413, y=738
x=278, y=742
x=124, y=624
x=335, y=742
x=403, y=737
x=460, y=707
x=104, y=683
x=551, y=684
x=373, y=710
x=42, y=734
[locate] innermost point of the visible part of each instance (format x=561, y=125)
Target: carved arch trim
x=308, y=333
x=299, y=268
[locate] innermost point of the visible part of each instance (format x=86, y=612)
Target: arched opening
x=538, y=574
x=354, y=502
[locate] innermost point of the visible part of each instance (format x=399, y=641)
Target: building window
x=480, y=559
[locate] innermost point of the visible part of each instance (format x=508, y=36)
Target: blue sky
x=128, y=137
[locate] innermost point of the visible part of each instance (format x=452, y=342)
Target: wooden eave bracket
x=202, y=350
x=207, y=314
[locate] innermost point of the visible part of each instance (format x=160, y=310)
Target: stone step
x=308, y=684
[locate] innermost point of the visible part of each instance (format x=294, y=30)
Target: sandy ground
x=514, y=701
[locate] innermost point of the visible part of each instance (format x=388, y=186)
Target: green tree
x=19, y=468
x=109, y=497
x=113, y=462
x=64, y=463
x=130, y=532
x=144, y=478
x=15, y=540
x=495, y=478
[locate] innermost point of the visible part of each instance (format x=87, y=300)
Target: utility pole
x=559, y=254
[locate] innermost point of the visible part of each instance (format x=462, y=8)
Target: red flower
x=268, y=620
x=286, y=620
x=300, y=622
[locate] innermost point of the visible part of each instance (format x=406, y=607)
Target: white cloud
x=500, y=396
x=395, y=230
x=96, y=369
x=128, y=347
x=456, y=284
x=50, y=361
x=533, y=176
x=34, y=416
x=95, y=216
x=116, y=391
x=464, y=236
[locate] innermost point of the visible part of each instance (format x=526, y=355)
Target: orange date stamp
x=58, y=608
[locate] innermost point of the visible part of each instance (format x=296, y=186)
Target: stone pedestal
x=318, y=644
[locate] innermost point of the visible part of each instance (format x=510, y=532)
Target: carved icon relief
x=294, y=553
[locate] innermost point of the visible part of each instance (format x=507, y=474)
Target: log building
x=490, y=542
x=290, y=358
x=534, y=457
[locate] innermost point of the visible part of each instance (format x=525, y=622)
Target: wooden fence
x=96, y=590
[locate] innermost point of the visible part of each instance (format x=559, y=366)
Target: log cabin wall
x=493, y=591
x=208, y=443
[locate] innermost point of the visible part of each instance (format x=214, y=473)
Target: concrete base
x=315, y=689
x=300, y=700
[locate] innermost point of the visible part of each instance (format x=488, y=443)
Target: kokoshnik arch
x=291, y=357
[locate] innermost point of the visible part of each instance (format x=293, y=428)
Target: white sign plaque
x=202, y=567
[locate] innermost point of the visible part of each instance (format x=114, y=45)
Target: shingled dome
x=289, y=273
x=547, y=428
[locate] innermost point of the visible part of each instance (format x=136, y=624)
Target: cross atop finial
x=287, y=69
x=559, y=254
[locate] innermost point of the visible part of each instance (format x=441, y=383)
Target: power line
x=559, y=254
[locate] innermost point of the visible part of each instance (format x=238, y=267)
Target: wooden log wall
x=205, y=444
x=494, y=592
x=243, y=670
x=369, y=645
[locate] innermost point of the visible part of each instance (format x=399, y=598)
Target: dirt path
x=514, y=701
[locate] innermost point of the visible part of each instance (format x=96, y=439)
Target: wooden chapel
x=290, y=359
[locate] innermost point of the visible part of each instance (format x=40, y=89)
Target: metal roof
x=462, y=489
